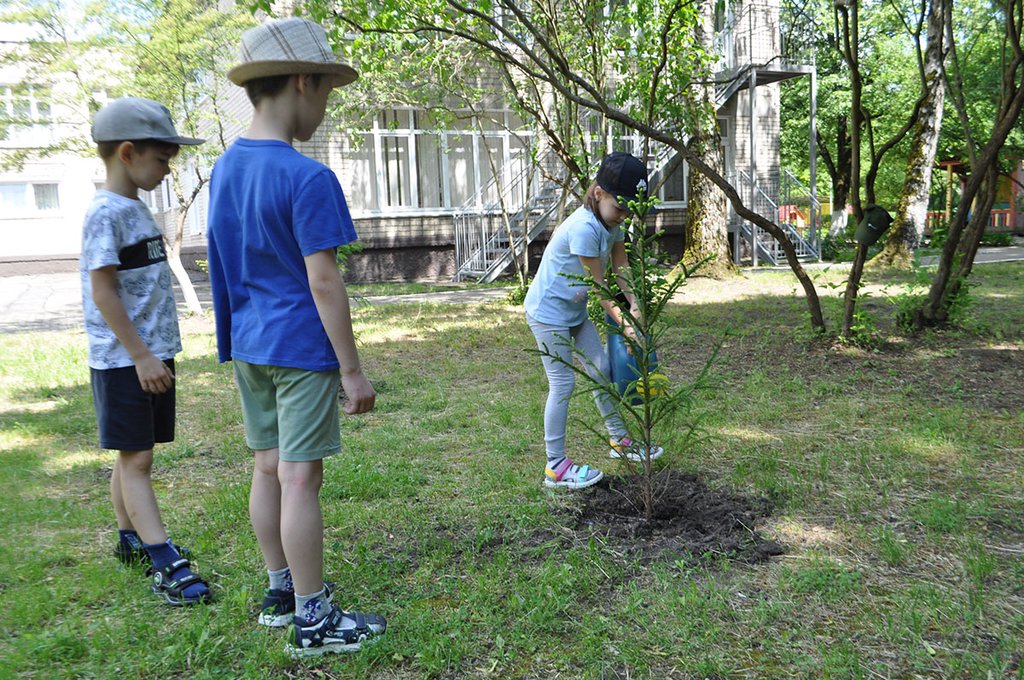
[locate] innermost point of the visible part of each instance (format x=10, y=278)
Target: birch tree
x=976, y=198
x=177, y=50
x=170, y=52
x=912, y=210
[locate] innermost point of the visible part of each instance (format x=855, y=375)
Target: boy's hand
x=154, y=375
x=360, y=393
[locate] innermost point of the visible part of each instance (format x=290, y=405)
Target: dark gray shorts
x=128, y=418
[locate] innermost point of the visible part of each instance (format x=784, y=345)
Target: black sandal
x=173, y=590
x=137, y=556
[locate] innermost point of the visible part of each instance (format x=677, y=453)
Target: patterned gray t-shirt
x=120, y=231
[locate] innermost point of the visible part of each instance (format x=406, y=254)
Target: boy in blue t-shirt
x=276, y=219
x=132, y=324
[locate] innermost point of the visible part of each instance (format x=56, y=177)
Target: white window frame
x=8, y=96
x=407, y=133
x=30, y=206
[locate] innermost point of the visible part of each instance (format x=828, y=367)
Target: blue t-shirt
x=559, y=300
x=270, y=207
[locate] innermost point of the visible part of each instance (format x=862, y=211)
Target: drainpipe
x=815, y=212
x=753, y=159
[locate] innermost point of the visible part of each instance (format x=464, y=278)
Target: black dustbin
x=875, y=223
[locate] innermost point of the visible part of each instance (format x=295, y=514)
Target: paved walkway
x=52, y=301
x=985, y=255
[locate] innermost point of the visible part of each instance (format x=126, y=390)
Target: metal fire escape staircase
x=482, y=246
x=484, y=249
x=531, y=200
x=485, y=244
x=768, y=249
x=753, y=54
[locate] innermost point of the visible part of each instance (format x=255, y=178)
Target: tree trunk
x=173, y=246
x=936, y=308
x=707, y=236
x=975, y=230
x=851, y=45
x=188, y=291
x=912, y=209
x=841, y=181
x=706, y=233
x=852, y=288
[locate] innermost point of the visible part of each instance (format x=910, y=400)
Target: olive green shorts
x=289, y=409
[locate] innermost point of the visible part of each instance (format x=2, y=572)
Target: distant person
x=276, y=219
x=556, y=309
x=132, y=324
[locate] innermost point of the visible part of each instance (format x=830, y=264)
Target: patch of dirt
x=690, y=519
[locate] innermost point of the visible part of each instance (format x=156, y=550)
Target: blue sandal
x=173, y=590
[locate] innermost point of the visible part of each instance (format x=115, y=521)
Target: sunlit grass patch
x=893, y=479
x=60, y=460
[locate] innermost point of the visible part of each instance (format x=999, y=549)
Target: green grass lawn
x=895, y=471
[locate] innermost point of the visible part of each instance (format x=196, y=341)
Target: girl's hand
x=628, y=330
x=634, y=310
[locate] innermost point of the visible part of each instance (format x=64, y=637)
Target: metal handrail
x=480, y=229
x=758, y=199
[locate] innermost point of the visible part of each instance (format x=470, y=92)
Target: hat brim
x=342, y=74
x=179, y=140
x=626, y=198
x=183, y=141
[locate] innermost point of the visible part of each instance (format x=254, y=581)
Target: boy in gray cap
x=132, y=324
x=276, y=219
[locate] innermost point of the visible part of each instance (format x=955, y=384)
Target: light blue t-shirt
x=120, y=232
x=270, y=207
x=559, y=300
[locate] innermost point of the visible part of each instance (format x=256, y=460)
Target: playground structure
x=1006, y=215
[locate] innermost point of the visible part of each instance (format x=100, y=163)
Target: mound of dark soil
x=690, y=519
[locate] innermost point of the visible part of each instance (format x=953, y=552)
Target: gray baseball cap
x=136, y=119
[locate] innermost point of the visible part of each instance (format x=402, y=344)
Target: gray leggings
x=586, y=342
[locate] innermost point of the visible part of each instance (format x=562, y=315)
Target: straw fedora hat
x=283, y=47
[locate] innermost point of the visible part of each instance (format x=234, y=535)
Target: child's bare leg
x=117, y=498
x=265, y=508
x=302, y=524
x=137, y=497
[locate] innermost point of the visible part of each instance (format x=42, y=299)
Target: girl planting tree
x=556, y=309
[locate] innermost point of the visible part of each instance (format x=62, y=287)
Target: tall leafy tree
x=866, y=110
x=178, y=50
x=986, y=134
x=61, y=49
x=171, y=52
x=629, y=63
x=868, y=89
x=912, y=210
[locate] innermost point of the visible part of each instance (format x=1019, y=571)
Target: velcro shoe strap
x=562, y=468
x=184, y=582
x=359, y=618
x=175, y=566
x=331, y=622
